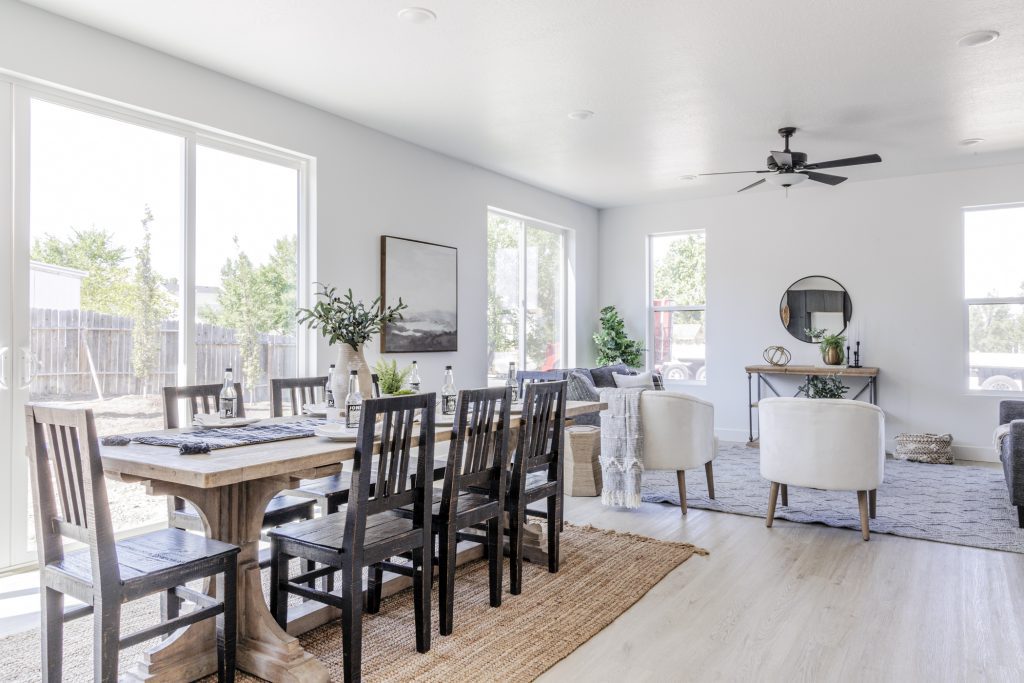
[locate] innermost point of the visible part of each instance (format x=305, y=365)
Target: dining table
x=230, y=488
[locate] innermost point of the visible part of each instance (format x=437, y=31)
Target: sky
x=993, y=245
x=88, y=170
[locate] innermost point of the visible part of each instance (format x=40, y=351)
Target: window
x=994, y=297
x=677, y=295
x=526, y=294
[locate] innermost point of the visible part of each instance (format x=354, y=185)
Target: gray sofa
x=1011, y=452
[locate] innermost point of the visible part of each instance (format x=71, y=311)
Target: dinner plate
x=215, y=422
x=339, y=432
x=315, y=409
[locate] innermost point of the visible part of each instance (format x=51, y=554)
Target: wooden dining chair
x=537, y=473
x=524, y=377
x=367, y=530
x=473, y=495
x=204, y=399
x=70, y=498
x=303, y=390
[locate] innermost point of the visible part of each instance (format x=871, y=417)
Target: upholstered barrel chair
x=679, y=434
x=830, y=444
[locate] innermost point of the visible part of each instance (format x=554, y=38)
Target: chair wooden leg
x=227, y=622
x=170, y=606
x=873, y=501
x=52, y=634
x=374, y=585
x=710, y=472
x=1020, y=516
x=495, y=560
x=681, y=482
x=278, y=580
x=515, y=553
x=422, y=579
x=106, y=621
x=352, y=623
x=554, y=531
x=773, y=496
x=862, y=501
x=446, y=580
x=785, y=494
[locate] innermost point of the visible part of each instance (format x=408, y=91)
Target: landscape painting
x=425, y=277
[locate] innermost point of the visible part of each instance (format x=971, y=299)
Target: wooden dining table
x=231, y=488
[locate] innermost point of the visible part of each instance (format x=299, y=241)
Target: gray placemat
x=204, y=440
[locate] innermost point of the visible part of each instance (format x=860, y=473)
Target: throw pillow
x=582, y=389
x=642, y=381
x=603, y=376
x=659, y=381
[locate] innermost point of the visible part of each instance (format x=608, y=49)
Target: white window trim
x=650, y=309
x=567, y=236
x=975, y=301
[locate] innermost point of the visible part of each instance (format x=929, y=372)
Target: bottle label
x=515, y=392
x=352, y=411
x=329, y=398
x=415, y=386
x=227, y=408
x=448, y=404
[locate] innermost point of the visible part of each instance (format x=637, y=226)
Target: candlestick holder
x=856, y=357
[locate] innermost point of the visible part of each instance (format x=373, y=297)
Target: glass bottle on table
x=328, y=391
x=511, y=382
x=414, y=378
x=354, y=401
x=227, y=401
x=448, y=393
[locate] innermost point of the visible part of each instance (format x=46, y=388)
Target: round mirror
x=815, y=306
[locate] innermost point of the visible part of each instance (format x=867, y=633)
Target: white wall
x=897, y=246
x=368, y=183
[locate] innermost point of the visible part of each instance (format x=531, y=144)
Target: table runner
x=206, y=440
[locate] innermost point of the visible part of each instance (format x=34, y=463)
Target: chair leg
x=310, y=565
x=423, y=576
x=374, y=586
x=227, y=622
x=785, y=494
x=873, y=501
x=352, y=623
x=681, y=482
x=862, y=501
x=495, y=560
x=773, y=496
x=170, y=606
x=554, y=531
x=515, y=552
x=446, y=580
x=52, y=634
x=1020, y=516
x=106, y=622
x=710, y=472
x=278, y=581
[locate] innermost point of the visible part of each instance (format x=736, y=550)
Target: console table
x=869, y=375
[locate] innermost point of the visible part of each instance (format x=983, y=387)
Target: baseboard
x=734, y=435
x=976, y=453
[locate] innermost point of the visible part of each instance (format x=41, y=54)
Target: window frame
x=981, y=301
x=651, y=309
x=565, y=236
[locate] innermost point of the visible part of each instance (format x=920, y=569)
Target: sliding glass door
x=145, y=255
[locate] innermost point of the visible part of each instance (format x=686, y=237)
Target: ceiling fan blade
x=732, y=172
x=852, y=161
x=753, y=184
x=783, y=159
x=824, y=177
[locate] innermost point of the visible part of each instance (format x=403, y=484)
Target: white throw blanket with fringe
x=622, y=448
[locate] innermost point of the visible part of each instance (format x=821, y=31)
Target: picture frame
x=425, y=276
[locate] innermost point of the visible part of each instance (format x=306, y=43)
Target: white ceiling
x=678, y=86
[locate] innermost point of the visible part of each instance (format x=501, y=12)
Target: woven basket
x=935, y=449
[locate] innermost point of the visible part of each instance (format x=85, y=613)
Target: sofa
x=1010, y=440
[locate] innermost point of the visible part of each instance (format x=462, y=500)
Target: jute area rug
x=603, y=573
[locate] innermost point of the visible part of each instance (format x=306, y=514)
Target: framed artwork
x=426, y=277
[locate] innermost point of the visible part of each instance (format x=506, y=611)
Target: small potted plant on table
x=831, y=346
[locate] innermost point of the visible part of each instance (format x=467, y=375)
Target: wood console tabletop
x=819, y=370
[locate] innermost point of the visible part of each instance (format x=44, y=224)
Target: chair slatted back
x=524, y=377
x=478, y=452
x=300, y=391
x=201, y=399
x=542, y=430
x=67, y=486
x=400, y=433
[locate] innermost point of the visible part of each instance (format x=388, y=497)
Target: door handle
x=28, y=368
x=3, y=368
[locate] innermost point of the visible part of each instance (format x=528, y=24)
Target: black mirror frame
x=846, y=294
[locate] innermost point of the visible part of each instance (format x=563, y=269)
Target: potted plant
x=824, y=387
x=613, y=344
x=391, y=379
x=348, y=324
x=831, y=345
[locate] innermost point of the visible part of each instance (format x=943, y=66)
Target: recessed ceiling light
x=978, y=38
x=416, y=15
x=688, y=177
x=967, y=142
x=581, y=114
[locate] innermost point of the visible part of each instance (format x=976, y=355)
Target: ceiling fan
x=789, y=168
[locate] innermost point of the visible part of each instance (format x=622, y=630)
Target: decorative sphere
x=777, y=355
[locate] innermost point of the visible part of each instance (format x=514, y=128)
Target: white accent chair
x=679, y=434
x=831, y=444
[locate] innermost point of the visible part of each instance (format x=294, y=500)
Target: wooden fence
x=83, y=354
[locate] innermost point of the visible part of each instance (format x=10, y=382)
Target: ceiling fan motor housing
x=799, y=159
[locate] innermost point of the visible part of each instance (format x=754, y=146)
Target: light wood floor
x=803, y=602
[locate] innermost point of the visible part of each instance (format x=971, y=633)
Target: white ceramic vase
x=351, y=359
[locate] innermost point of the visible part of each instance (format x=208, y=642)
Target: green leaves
x=613, y=344
x=390, y=378
x=343, y=319
x=824, y=387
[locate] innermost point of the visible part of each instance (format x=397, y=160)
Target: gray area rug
x=956, y=504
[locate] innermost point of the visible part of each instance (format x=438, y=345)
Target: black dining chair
x=524, y=377
x=70, y=498
x=367, y=530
